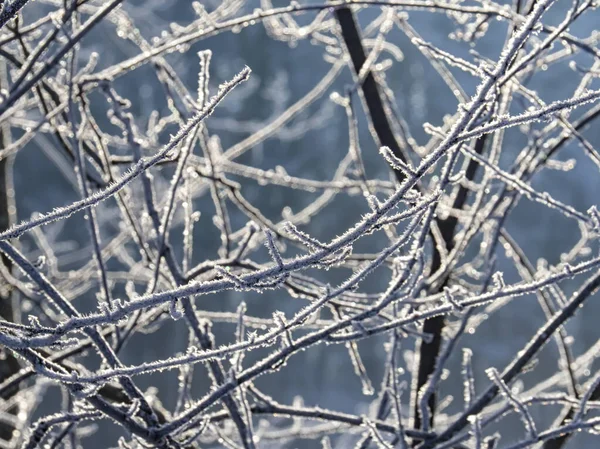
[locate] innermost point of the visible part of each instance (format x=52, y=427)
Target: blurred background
x=311, y=145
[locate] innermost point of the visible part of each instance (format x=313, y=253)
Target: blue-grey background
x=311, y=146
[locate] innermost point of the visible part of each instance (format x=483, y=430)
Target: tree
x=388, y=246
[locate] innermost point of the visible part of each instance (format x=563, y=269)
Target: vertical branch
x=427, y=351
x=370, y=90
